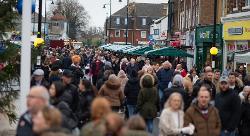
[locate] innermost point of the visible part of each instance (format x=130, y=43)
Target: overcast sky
x=98, y=14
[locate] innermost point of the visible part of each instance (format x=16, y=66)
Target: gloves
x=188, y=130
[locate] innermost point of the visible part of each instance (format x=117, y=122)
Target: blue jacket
x=164, y=77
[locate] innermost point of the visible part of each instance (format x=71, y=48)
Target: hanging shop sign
x=206, y=33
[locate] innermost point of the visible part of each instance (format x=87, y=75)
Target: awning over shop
x=242, y=58
x=169, y=51
x=141, y=51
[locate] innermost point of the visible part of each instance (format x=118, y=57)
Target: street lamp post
x=214, y=33
x=39, y=19
x=45, y=20
x=126, y=22
x=104, y=6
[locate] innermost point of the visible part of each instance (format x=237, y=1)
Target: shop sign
x=206, y=34
x=238, y=30
x=235, y=31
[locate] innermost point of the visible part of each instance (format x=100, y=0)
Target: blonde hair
x=175, y=94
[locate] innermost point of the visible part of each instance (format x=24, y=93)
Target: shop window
x=117, y=33
x=143, y=34
x=230, y=46
x=241, y=45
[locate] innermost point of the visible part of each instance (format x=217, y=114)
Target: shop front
x=237, y=40
x=203, y=44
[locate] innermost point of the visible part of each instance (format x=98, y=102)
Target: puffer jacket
x=131, y=91
x=112, y=92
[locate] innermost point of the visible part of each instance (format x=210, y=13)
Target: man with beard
x=208, y=79
x=228, y=104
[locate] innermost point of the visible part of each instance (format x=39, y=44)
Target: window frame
x=117, y=21
x=143, y=35
x=144, y=21
x=118, y=32
x=125, y=21
x=156, y=31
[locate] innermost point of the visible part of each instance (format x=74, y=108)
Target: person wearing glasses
x=37, y=99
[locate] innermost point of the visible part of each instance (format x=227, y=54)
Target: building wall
x=190, y=13
x=162, y=27
x=133, y=36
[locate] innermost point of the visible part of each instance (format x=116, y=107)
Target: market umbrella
x=169, y=51
x=141, y=51
x=104, y=46
x=132, y=49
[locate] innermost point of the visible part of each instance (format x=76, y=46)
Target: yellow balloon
x=214, y=51
x=38, y=42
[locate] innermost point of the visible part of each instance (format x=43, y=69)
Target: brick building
x=184, y=18
x=140, y=17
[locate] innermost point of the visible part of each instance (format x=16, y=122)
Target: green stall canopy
x=169, y=51
x=140, y=51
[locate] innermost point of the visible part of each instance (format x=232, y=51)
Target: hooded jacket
x=148, y=98
x=131, y=91
x=111, y=90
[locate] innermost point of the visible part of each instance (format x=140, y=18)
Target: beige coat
x=167, y=124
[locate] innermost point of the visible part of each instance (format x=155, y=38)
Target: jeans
x=131, y=110
x=160, y=91
x=224, y=133
x=149, y=123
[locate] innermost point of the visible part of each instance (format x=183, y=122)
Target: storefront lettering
x=235, y=31
x=205, y=35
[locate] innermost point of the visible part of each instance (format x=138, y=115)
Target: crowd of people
x=91, y=92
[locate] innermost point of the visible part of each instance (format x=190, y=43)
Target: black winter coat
x=199, y=83
x=73, y=98
x=130, y=68
x=24, y=127
x=228, y=104
x=169, y=91
x=66, y=62
x=69, y=119
x=83, y=110
x=164, y=77
x=244, y=127
x=131, y=91
x=78, y=74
